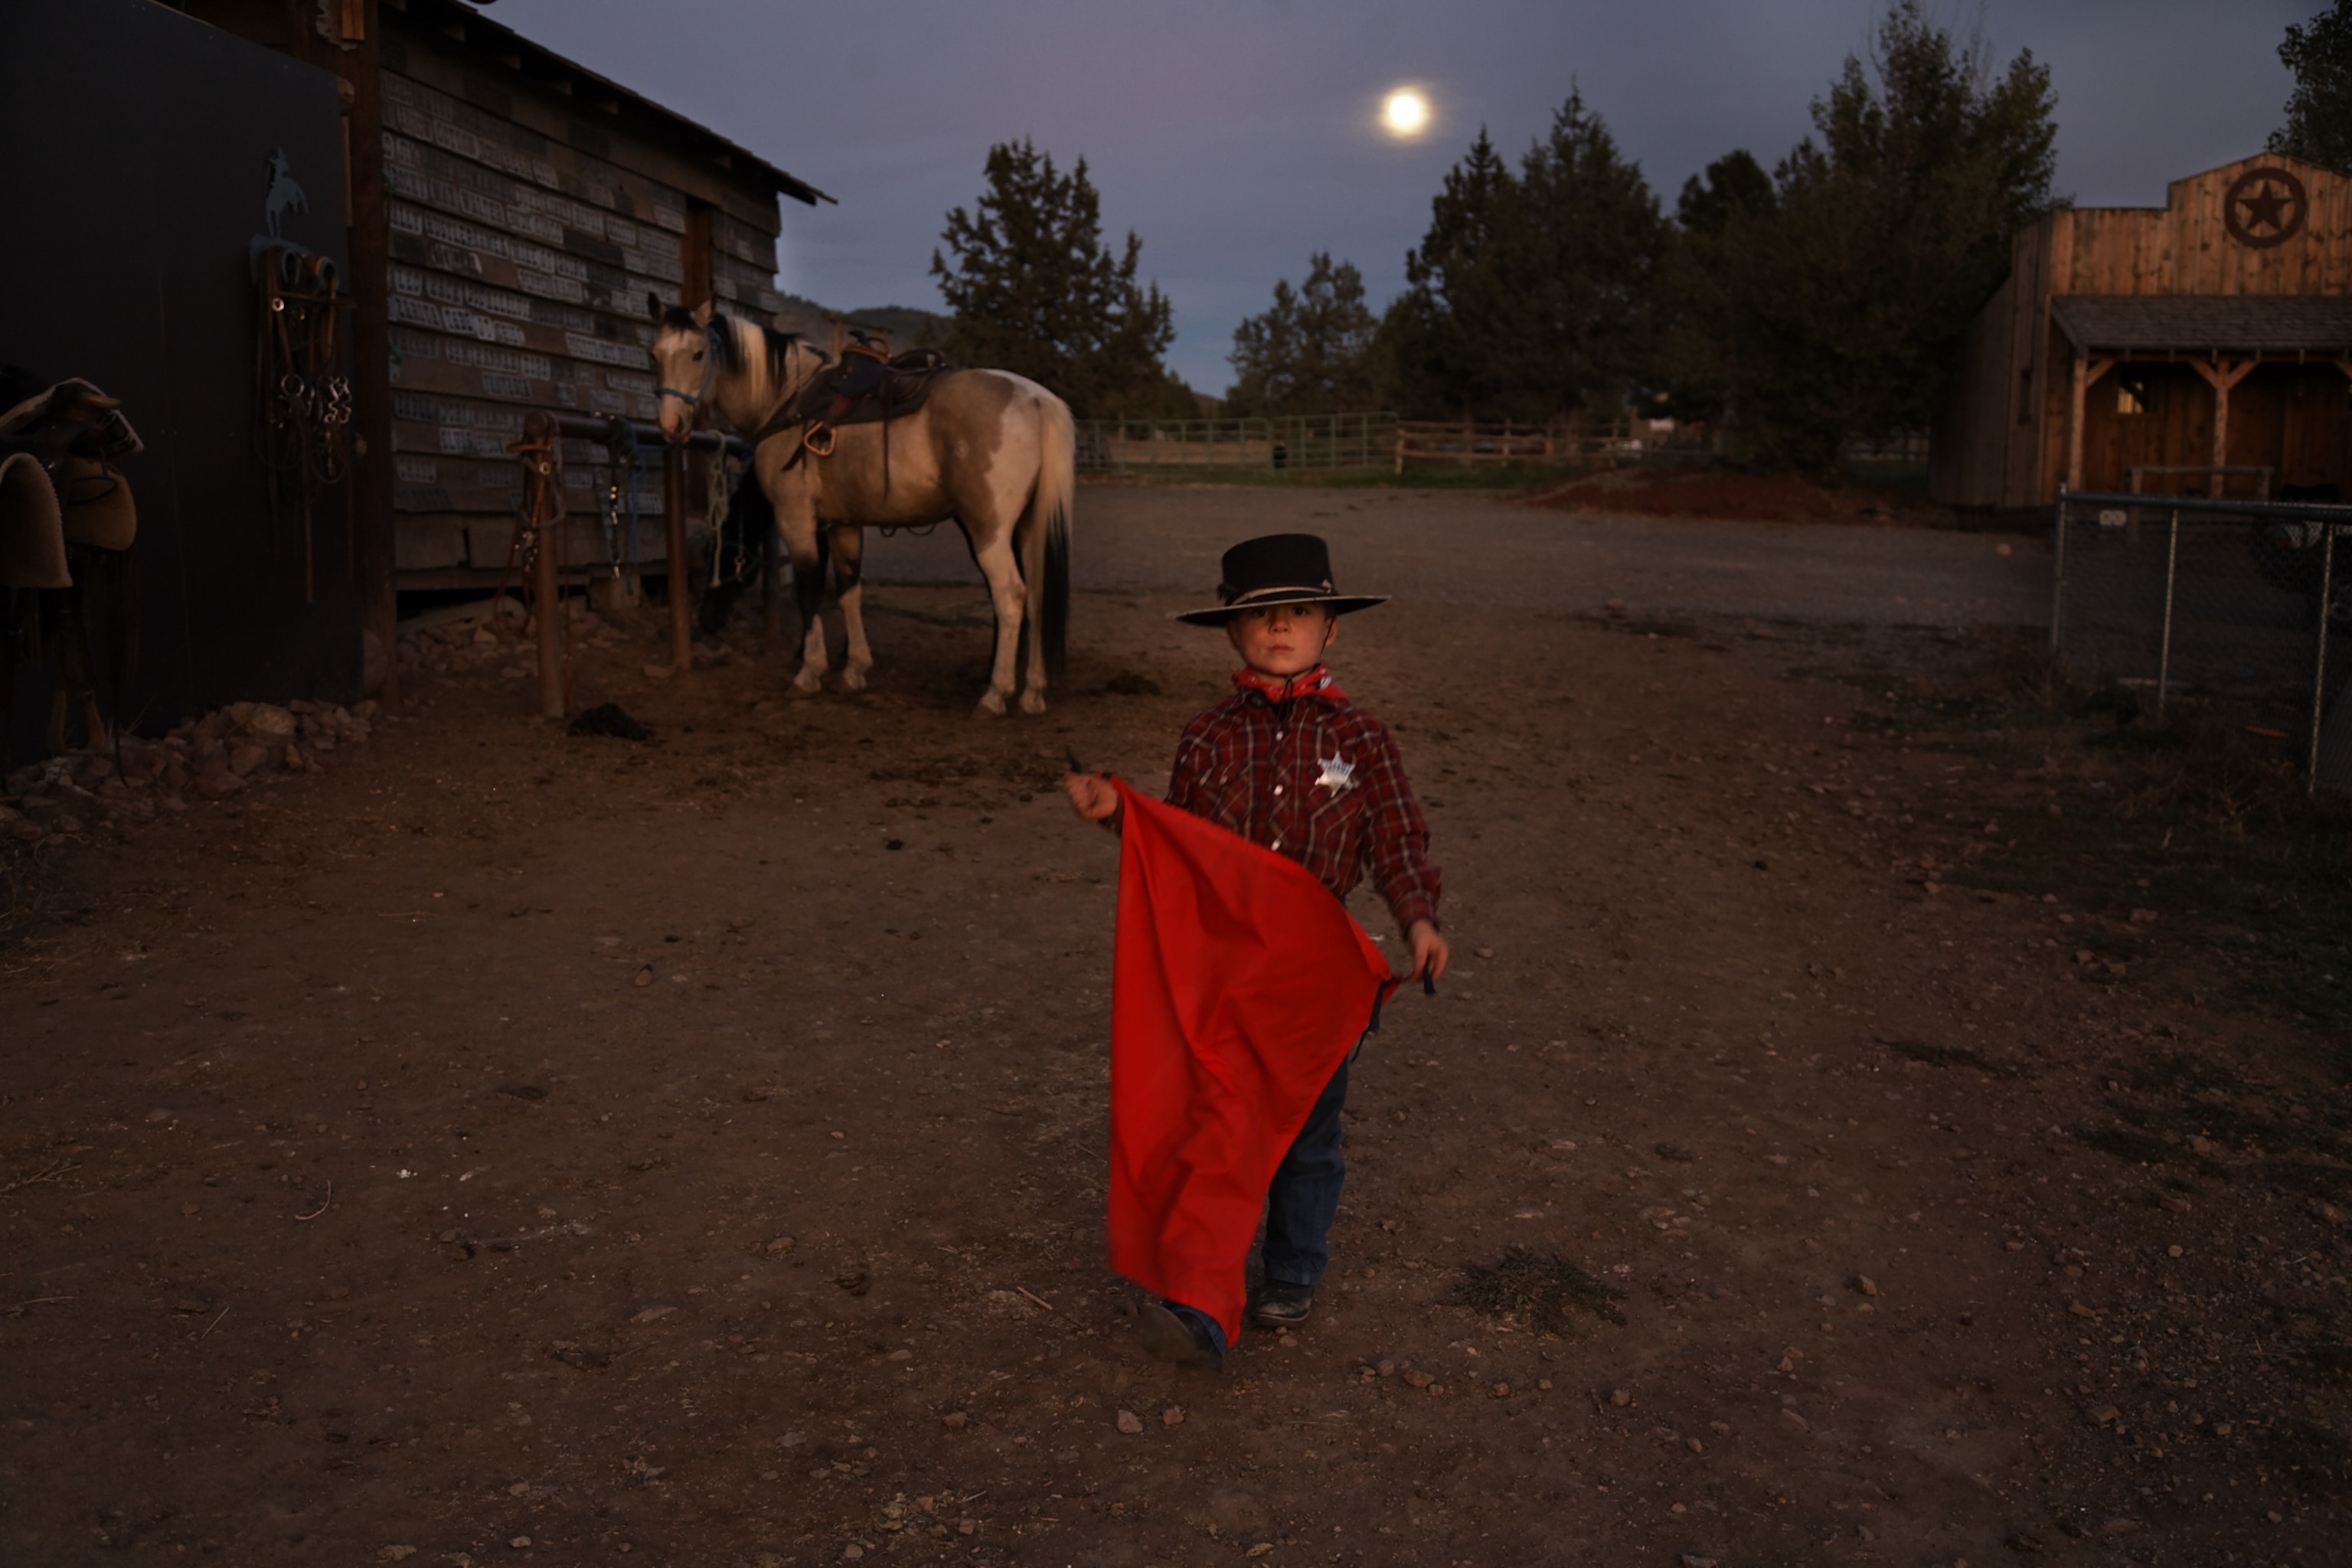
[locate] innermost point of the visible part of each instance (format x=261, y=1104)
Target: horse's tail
x=1047, y=527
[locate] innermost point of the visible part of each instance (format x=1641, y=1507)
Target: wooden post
x=694, y=252
x=2086, y=370
x=2222, y=375
x=681, y=632
x=355, y=57
x=547, y=599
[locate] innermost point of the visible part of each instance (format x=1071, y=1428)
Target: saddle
x=862, y=387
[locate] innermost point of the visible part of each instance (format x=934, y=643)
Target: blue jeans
x=1305, y=1195
x=1300, y=1204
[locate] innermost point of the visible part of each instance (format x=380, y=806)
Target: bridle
x=694, y=400
x=710, y=349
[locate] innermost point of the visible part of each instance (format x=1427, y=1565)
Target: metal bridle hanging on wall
x=305, y=400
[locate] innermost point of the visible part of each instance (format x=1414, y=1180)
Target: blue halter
x=693, y=400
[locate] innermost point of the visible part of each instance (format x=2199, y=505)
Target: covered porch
x=2244, y=395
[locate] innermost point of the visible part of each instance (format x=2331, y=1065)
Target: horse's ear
x=702, y=315
x=652, y=305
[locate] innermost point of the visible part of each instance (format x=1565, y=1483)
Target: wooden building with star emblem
x=2199, y=348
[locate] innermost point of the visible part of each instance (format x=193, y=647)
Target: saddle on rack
x=863, y=387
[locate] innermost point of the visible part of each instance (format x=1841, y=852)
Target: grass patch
x=1954, y=1056
x=1547, y=1294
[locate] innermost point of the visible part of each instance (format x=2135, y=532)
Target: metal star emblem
x=1338, y=775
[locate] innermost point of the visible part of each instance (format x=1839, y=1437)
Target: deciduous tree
x=2319, y=126
x=1033, y=289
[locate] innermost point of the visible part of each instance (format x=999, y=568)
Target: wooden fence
x=1322, y=441
x=1337, y=441
x=1471, y=441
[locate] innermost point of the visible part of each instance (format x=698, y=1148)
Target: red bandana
x=1316, y=682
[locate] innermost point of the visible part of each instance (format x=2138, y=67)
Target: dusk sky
x=1238, y=136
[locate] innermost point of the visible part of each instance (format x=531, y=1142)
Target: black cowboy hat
x=1278, y=569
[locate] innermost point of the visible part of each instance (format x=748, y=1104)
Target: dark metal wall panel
x=141, y=140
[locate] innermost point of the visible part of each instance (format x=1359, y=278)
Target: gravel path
x=1449, y=547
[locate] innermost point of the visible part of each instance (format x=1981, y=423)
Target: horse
x=992, y=450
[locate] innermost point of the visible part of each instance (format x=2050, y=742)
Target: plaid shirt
x=1313, y=778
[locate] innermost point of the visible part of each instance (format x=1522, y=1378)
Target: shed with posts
x=509, y=212
x=2203, y=347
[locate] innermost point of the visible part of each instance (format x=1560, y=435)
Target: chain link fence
x=2221, y=602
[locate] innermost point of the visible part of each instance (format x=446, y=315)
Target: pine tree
x=1596, y=244
x=2318, y=127
x=1532, y=294
x=1316, y=351
x=1033, y=289
x=1698, y=354
x=1848, y=298
x=1454, y=331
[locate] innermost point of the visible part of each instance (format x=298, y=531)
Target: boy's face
x=1282, y=640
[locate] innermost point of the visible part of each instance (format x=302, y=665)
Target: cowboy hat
x=32, y=538
x=1277, y=569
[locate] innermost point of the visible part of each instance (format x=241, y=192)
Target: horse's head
x=685, y=363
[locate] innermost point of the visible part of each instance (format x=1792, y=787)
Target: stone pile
x=457, y=646
x=494, y=643
x=213, y=757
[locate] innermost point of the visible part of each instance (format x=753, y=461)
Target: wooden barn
x=509, y=212
x=2203, y=347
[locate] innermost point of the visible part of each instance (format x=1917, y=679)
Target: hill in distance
x=908, y=327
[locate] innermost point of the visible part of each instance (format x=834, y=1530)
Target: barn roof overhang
x=2194, y=326
x=464, y=24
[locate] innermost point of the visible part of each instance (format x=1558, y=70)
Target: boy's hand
x=1429, y=952
x=1090, y=796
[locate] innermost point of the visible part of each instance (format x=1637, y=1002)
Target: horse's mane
x=734, y=335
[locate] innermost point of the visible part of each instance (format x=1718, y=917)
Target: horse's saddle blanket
x=862, y=387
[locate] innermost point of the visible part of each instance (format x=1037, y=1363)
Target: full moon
x=1404, y=114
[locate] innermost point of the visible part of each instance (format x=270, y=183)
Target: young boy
x=1288, y=763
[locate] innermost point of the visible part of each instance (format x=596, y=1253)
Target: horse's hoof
x=852, y=679
x=1032, y=703
x=806, y=685
x=991, y=706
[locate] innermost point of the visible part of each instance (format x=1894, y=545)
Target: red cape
x=1238, y=987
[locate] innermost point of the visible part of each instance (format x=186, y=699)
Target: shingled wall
x=525, y=238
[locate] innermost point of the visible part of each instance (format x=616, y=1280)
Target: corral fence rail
x=1366, y=442
x=1319, y=441
x=2244, y=603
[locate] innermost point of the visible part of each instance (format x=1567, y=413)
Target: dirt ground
x=508, y=1147
x=1738, y=496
